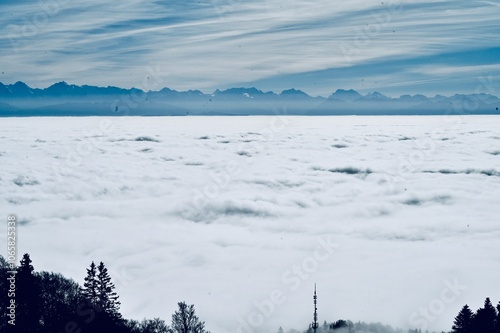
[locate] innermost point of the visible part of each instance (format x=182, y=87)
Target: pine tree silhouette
x=498, y=318
x=90, y=285
x=185, y=320
x=4, y=298
x=485, y=318
x=27, y=298
x=463, y=321
x=108, y=298
x=99, y=292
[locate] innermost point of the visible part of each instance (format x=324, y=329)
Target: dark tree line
x=485, y=320
x=50, y=303
x=347, y=326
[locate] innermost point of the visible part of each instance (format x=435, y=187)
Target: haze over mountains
x=62, y=99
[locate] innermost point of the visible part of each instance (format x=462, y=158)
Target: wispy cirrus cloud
x=216, y=44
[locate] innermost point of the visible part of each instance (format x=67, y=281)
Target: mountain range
x=63, y=99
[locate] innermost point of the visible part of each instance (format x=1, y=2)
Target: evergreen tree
x=463, y=321
x=498, y=318
x=338, y=324
x=185, y=320
x=27, y=298
x=485, y=318
x=90, y=287
x=4, y=298
x=108, y=298
x=100, y=291
x=133, y=326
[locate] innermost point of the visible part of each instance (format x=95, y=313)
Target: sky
x=394, y=47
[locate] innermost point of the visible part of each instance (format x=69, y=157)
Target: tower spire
x=315, y=300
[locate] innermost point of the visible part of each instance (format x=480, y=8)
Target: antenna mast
x=315, y=299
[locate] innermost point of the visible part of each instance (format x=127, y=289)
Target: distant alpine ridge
x=63, y=99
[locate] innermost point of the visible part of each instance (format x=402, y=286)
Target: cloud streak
x=220, y=43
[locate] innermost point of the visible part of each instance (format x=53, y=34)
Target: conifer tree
x=463, y=321
x=90, y=285
x=108, y=298
x=498, y=318
x=100, y=291
x=4, y=298
x=485, y=318
x=27, y=297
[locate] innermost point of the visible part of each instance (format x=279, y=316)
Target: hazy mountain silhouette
x=63, y=99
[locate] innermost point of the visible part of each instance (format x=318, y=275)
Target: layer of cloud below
x=412, y=202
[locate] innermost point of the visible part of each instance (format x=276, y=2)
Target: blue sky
x=394, y=47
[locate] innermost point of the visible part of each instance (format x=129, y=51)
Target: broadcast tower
x=315, y=322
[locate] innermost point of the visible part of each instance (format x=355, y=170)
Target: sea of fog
x=395, y=218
